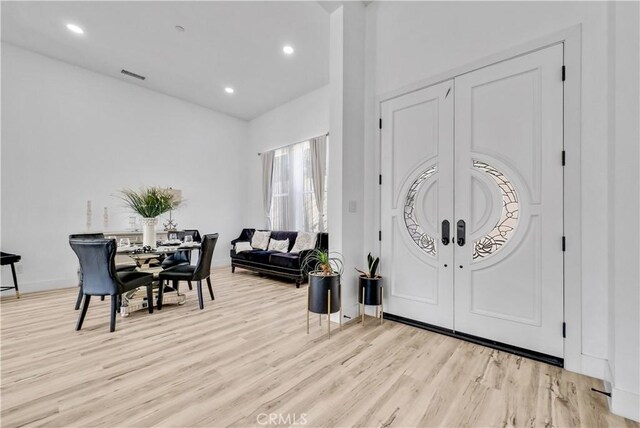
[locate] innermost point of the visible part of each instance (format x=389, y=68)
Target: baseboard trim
x=532, y=355
x=221, y=263
x=593, y=366
x=625, y=403
x=349, y=313
x=44, y=285
x=608, y=378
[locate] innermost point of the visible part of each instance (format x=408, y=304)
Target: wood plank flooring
x=246, y=360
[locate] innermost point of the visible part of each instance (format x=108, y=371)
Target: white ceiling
x=237, y=44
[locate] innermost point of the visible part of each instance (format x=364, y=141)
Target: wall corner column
x=346, y=150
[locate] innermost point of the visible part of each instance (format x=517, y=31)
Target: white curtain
x=267, y=185
x=318, y=152
x=280, y=202
x=295, y=203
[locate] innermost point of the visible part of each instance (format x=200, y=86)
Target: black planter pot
x=372, y=290
x=319, y=287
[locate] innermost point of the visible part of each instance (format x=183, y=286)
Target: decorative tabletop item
x=171, y=224
x=132, y=223
x=149, y=203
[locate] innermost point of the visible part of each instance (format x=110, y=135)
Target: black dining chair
x=198, y=273
x=180, y=234
x=99, y=276
x=181, y=257
x=119, y=268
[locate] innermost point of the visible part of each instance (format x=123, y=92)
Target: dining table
x=149, y=260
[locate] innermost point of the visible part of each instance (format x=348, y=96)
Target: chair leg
x=15, y=280
x=102, y=298
x=200, y=301
x=190, y=287
x=233, y=269
x=114, y=310
x=210, y=289
x=160, y=295
x=79, y=299
x=176, y=286
x=150, y=296
x=83, y=312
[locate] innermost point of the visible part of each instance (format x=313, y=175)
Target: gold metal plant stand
x=328, y=310
x=379, y=308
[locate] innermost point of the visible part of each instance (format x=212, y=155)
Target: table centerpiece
x=149, y=203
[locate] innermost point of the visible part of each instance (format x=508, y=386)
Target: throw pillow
x=304, y=241
x=243, y=246
x=260, y=240
x=279, y=246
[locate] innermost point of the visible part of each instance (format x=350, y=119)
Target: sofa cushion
x=243, y=246
x=258, y=256
x=304, y=241
x=280, y=246
x=281, y=235
x=285, y=260
x=260, y=240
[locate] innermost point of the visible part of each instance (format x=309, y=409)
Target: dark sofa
x=274, y=263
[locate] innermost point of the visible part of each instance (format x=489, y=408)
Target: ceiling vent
x=128, y=73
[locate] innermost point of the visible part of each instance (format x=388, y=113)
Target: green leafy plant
x=372, y=263
x=149, y=202
x=322, y=262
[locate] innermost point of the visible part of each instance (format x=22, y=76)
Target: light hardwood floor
x=247, y=355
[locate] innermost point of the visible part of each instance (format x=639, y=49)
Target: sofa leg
x=298, y=282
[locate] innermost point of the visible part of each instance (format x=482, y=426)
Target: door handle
x=461, y=232
x=445, y=232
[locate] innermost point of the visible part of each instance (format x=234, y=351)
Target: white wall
x=624, y=210
x=293, y=122
x=412, y=41
x=70, y=135
x=346, y=203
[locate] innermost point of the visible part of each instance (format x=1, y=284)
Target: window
x=293, y=205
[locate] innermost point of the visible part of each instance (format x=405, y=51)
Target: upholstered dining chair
x=99, y=276
x=194, y=233
x=198, y=273
x=182, y=257
x=119, y=268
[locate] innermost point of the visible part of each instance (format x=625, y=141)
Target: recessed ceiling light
x=287, y=49
x=229, y=90
x=179, y=28
x=75, y=29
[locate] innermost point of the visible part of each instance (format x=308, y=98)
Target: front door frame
x=571, y=37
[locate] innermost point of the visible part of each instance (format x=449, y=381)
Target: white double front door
x=472, y=203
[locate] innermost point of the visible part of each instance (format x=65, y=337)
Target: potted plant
x=149, y=203
x=324, y=270
x=370, y=284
